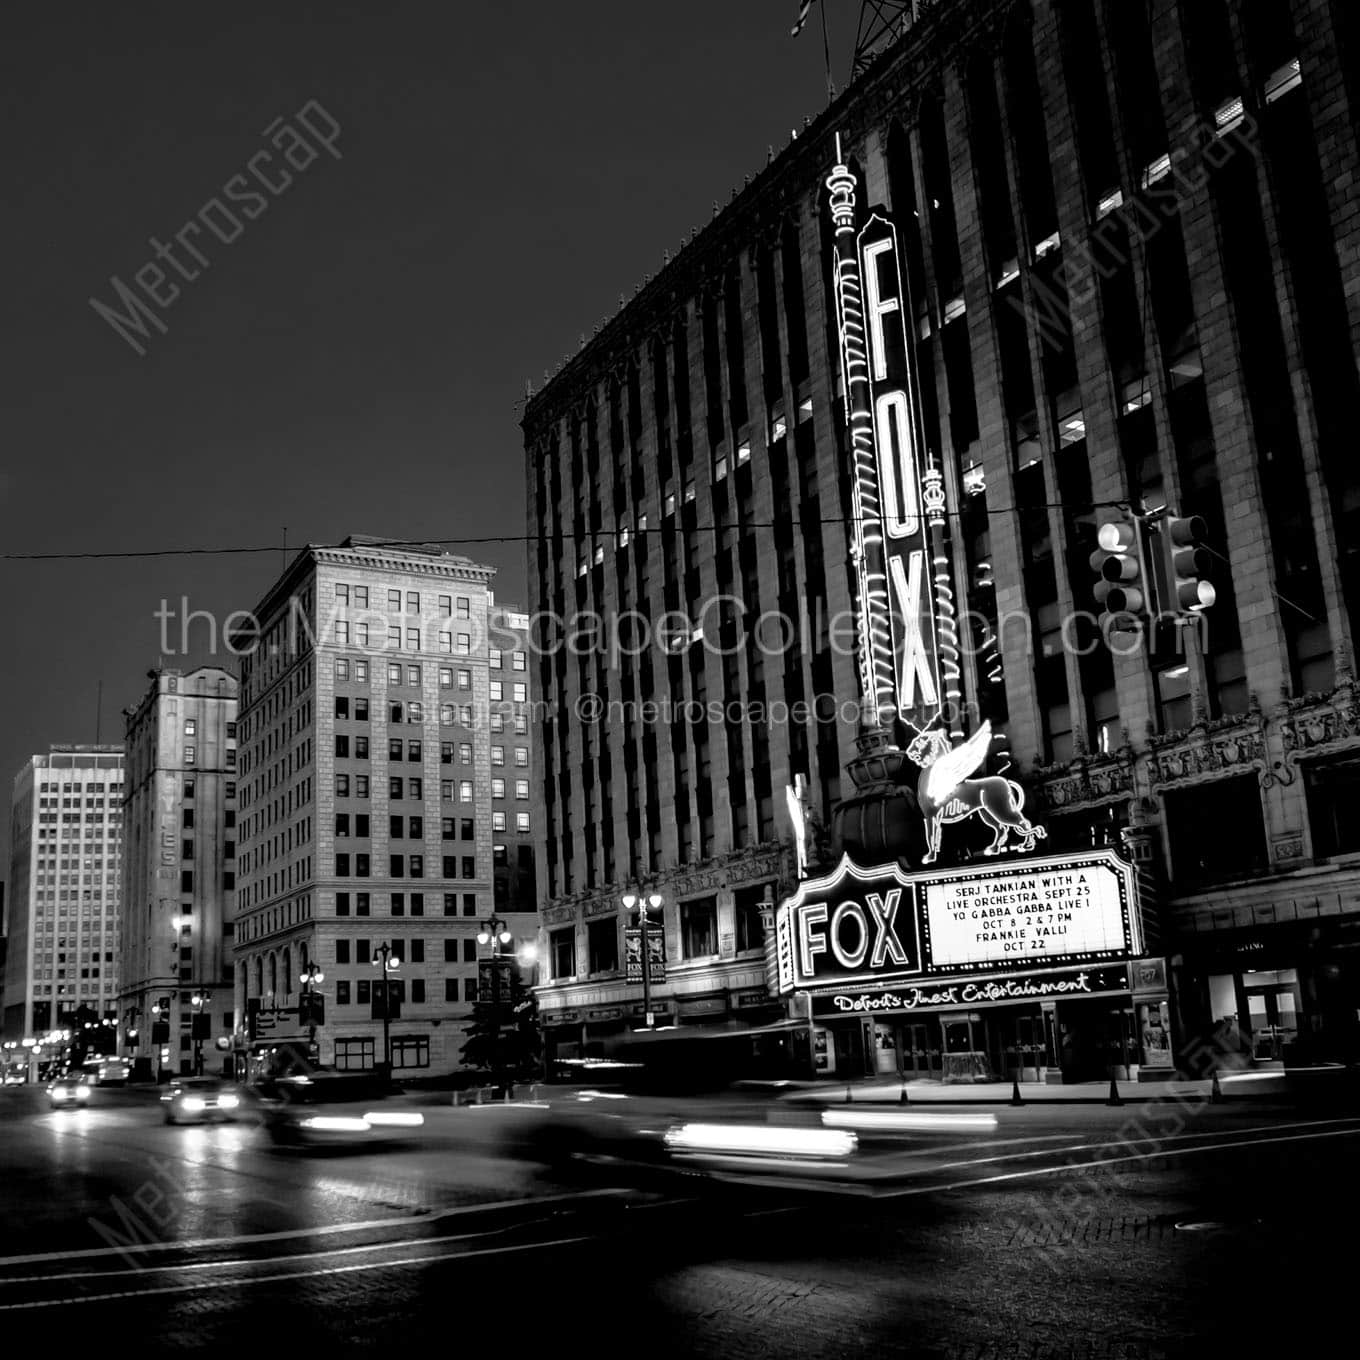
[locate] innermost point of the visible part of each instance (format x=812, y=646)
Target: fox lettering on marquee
x=897, y=455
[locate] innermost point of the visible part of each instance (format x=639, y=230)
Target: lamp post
x=199, y=1001
x=644, y=904
x=310, y=978
x=496, y=934
x=388, y=966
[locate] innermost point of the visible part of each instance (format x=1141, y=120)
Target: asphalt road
x=1035, y=1232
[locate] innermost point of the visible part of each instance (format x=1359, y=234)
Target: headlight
x=336, y=1123
x=402, y=1118
x=192, y=1104
x=228, y=1102
x=760, y=1140
x=82, y=1093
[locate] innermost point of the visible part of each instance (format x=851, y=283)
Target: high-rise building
x=1115, y=270
x=378, y=684
x=179, y=868
x=63, y=902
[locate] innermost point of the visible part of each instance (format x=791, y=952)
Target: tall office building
x=179, y=868
x=379, y=683
x=1128, y=261
x=63, y=902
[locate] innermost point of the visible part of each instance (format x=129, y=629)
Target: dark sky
x=353, y=360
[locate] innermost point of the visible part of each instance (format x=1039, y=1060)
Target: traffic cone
x=902, y=1099
x=1015, y=1092
x=1215, y=1090
x=847, y=1093
x=1114, y=1098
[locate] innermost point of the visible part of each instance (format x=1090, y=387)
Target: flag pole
x=826, y=52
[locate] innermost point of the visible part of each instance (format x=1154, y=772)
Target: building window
x=394, y=784
x=362, y=903
x=562, y=951
x=361, y=667
x=354, y=1055
x=1333, y=789
x=412, y=1050
x=342, y=824
x=464, y=644
x=341, y=668
x=342, y=992
x=416, y=865
x=498, y=755
x=465, y=753
x=469, y=866
x=413, y=749
x=1217, y=831
x=342, y=866
x=450, y=866
x=465, y=790
x=446, y=677
x=520, y=692
x=417, y=904
x=522, y=756
x=521, y=821
x=364, y=994
x=603, y=941
x=497, y=691
x=469, y=904
x=522, y=789
x=494, y=658
x=519, y=661
x=699, y=928
x=464, y=607
x=450, y=989
x=750, y=931
x=450, y=904
x=464, y=679
x=469, y=989
x=394, y=748
x=398, y=904
x=342, y=951
x=498, y=821
x=342, y=904
x=188, y=755
x=188, y=788
x=445, y=606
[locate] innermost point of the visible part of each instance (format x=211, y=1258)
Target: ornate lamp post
x=644, y=905
x=388, y=965
x=199, y=1001
x=310, y=979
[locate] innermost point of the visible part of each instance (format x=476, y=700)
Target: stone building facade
x=1133, y=256
x=375, y=683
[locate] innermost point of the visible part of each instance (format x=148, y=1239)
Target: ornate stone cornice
x=1087, y=782
x=1318, y=724
x=1232, y=745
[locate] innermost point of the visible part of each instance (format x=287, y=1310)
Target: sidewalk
x=1338, y=1083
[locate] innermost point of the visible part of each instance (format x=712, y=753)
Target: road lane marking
x=178, y=1267
x=1108, y=1161
x=1124, y=1142
x=290, y=1275
x=207, y=1243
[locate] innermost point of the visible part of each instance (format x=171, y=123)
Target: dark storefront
x=1275, y=995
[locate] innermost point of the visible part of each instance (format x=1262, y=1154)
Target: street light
x=310, y=978
x=644, y=905
x=388, y=965
x=494, y=931
x=199, y=1001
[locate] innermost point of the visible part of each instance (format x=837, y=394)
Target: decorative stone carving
x=1229, y=745
x=1286, y=848
x=1087, y=782
x=1316, y=725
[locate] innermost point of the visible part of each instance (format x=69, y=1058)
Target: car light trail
x=770, y=1140
x=906, y=1119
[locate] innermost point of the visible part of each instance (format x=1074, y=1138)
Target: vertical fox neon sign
x=895, y=564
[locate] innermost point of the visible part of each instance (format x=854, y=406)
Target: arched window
x=287, y=971
x=259, y=975
x=273, y=975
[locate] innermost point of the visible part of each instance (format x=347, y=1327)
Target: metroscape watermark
x=145, y=1219
x=1179, y=176
x=723, y=626
x=216, y=219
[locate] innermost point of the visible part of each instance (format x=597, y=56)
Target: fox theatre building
x=1031, y=970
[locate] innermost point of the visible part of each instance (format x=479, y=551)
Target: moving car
x=330, y=1109
x=69, y=1092
x=199, y=1100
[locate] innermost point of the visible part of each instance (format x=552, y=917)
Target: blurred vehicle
x=106, y=1071
x=639, y=1140
x=69, y=1092
x=199, y=1100
x=16, y=1078
x=334, y=1109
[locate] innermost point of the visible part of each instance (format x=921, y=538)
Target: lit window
x=188, y=755
x=465, y=790
x=498, y=788
x=743, y=456
x=464, y=607
x=720, y=468
x=446, y=642
x=494, y=658
x=520, y=661
x=498, y=821
x=497, y=690
x=498, y=755
x=522, y=789
x=521, y=755
x=393, y=673
x=520, y=693
x=521, y=821
x=464, y=647
x=190, y=727
x=446, y=677
x=464, y=679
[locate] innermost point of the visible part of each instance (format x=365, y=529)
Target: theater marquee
x=885, y=925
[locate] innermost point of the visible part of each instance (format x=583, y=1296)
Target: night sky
x=355, y=359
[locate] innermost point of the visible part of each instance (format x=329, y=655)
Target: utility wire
x=590, y=536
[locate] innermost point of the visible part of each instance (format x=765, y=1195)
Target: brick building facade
x=1132, y=245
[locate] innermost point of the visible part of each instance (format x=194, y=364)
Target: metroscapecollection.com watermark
x=135, y=322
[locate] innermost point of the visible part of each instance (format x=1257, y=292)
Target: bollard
x=902, y=1099
x=1215, y=1090
x=1015, y=1092
x=1115, y=1098
x=847, y=1093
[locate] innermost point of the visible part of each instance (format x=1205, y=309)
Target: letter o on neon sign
x=854, y=911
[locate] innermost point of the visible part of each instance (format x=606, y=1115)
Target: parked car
x=69, y=1092
x=199, y=1100
x=335, y=1109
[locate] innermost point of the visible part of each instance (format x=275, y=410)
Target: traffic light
x=1118, y=564
x=1187, y=563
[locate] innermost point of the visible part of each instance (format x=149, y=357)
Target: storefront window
x=699, y=927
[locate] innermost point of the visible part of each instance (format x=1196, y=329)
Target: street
x=1037, y=1231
